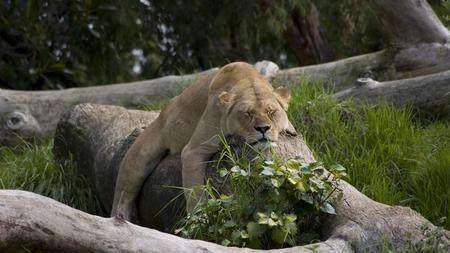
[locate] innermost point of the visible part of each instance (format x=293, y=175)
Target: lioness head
x=256, y=112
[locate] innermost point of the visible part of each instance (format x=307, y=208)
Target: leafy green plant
x=273, y=203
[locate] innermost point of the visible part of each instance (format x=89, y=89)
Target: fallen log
x=33, y=223
x=97, y=136
x=430, y=93
x=36, y=113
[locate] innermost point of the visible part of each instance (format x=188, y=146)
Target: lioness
x=235, y=100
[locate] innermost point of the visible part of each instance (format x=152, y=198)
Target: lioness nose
x=262, y=128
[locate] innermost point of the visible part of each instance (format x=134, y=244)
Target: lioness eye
x=248, y=114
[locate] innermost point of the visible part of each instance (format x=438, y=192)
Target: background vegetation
x=58, y=44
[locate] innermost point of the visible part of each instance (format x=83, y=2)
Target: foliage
x=54, y=44
x=58, y=44
x=442, y=9
x=392, y=155
x=32, y=168
x=272, y=203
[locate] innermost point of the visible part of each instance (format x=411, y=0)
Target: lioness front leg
x=194, y=161
x=142, y=157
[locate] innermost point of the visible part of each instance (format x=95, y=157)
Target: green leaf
x=290, y=217
x=291, y=227
x=337, y=167
x=271, y=222
x=305, y=170
x=225, y=242
x=235, y=169
x=236, y=236
x=327, y=208
x=292, y=180
x=278, y=235
x=267, y=171
x=261, y=215
x=213, y=202
x=229, y=224
x=254, y=229
x=273, y=215
x=300, y=186
x=244, y=234
x=270, y=162
x=223, y=172
x=275, y=182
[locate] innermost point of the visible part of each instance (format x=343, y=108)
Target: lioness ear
x=283, y=96
x=224, y=97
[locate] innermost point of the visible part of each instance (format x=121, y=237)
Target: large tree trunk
x=420, y=45
x=97, y=137
x=305, y=37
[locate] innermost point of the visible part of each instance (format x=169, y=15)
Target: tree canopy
x=58, y=44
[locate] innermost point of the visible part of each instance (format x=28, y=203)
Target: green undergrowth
x=272, y=203
x=32, y=168
x=391, y=154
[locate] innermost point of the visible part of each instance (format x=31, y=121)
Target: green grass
x=32, y=168
x=390, y=154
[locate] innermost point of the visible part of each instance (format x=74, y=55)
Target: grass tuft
x=390, y=155
x=32, y=168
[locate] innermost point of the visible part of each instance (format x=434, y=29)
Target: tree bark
x=409, y=22
x=36, y=113
x=430, y=93
x=33, y=223
x=97, y=137
x=305, y=37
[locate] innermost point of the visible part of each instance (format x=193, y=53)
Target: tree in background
x=59, y=44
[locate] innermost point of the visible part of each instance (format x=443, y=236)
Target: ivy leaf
x=305, y=170
x=300, y=186
x=271, y=222
x=229, y=224
x=223, y=172
x=291, y=227
x=236, y=235
x=275, y=182
x=337, y=167
x=327, y=208
x=235, y=169
x=290, y=217
x=267, y=171
x=225, y=242
x=254, y=229
x=278, y=235
x=244, y=234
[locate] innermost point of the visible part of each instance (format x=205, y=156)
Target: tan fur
x=235, y=100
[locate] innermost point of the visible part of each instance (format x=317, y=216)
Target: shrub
x=273, y=203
